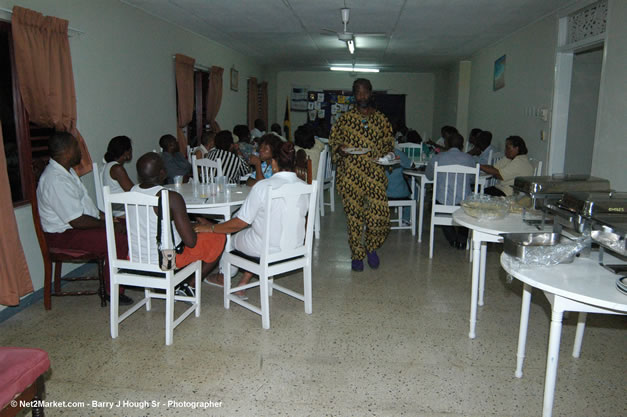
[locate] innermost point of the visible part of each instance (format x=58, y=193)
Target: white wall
x=529, y=77
x=417, y=86
x=125, y=84
x=582, y=112
x=610, y=147
x=445, y=99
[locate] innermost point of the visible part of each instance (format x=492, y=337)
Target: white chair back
x=320, y=180
x=189, y=154
x=143, y=259
x=412, y=150
x=328, y=182
x=98, y=186
x=457, y=180
x=205, y=170
x=537, y=166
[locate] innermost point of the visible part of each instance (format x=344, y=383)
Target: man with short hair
x=259, y=130
x=207, y=247
x=175, y=163
x=456, y=236
x=69, y=217
x=233, y=166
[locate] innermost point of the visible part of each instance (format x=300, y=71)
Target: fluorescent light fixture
x=354, y=69
x=351, y=46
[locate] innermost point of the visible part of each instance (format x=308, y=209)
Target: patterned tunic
x=361, y=182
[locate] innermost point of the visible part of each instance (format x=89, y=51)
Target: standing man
x=361, y=182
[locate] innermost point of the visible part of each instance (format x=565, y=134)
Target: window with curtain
x=199, y=121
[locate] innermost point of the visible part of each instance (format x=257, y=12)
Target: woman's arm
x=119, y=174
x=231, y=226
x=489, y=169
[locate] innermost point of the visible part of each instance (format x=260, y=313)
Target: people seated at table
x=413, y=137
x=398, y=189
x=472, y=141
x=445, y=132
x=245, y=147
x=247, y=225
x=207, y=247
x=484, y=141
x=207, y=143
x=275, y=129
x=456, y=236
x=305, y=140
x=119, y=151
x=69, y=218
x=262, y=167
x=175, y=163
x=515, y=164
x=259, y=130
x=233, y=165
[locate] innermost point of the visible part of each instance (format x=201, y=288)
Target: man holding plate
x=358, y=138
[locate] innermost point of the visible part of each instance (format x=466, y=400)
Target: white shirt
x=62, y=197
x=203, y=151
x=143, y=228
x=250, y=240
x=114, y=185
x=510, y=169
x=256, y=133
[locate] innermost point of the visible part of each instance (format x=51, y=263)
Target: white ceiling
x=421, y=35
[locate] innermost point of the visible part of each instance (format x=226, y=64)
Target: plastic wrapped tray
x=485, y=207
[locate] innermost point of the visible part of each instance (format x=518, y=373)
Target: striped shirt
x=233, y=166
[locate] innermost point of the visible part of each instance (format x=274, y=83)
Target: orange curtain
x=184, y=69
x=214, y=96
x=263, y=102
x=252, y=102
x=14, y=276
x=44, y=73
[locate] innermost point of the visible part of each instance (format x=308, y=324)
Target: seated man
x=259, y=130
x=275, y=129
x=305, y=140
x=69, y=217
x=472, y=141
x=483, y=143
x=456, y=236
x=397, y=185
x=207, y=247
x=207, y=143
x=233, y=165
x=245, y=147
x=175, y=163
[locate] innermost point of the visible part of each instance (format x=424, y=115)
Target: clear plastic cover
x=485, y=207
x=561, y=253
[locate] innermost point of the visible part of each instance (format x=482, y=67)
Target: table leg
x=552, y=358
x=422, y=208
x=484, y=249
x=581, y=326
x=522, y=331
x=475, y=284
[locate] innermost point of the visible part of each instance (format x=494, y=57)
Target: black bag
x=167, y=257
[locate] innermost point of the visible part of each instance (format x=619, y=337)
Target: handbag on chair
x=167, y=257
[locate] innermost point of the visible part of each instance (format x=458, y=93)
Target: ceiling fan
x=347, y=36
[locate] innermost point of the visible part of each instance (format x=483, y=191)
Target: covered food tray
x=560, y=183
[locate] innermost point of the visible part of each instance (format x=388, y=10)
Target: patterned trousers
x=365, y=204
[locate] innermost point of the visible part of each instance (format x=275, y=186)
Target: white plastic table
x=583, y=286
x=484, y=231
x=199, y=201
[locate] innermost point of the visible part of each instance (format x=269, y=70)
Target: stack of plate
x=621, y=284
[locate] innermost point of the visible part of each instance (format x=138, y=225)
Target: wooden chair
x=58, y=256
x=457, y=178
x=142, y=269
x=303, y=167
x=22, y=379
x=274, y=263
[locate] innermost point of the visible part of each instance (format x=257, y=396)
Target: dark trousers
x=455, y=233
x=90, y=240
x=494, y=192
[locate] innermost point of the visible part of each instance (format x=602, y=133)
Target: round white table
x=199, y=200
x=582, y=286
x=484, y=231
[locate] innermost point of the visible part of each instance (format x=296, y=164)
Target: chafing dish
x=546, y=189
x=540, y=248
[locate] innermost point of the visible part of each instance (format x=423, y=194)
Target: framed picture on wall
x=234, y=79
x=499, y=73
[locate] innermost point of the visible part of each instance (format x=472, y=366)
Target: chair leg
x=322, y=201
x=47, y=285
x=431, y=240
x=114, y=307
x=39, y=396
x=332, y=195
x=307, y=289
x=412, y=212
x=265, y=302
x=101, y=285
x=58, y=266
x=169, y=314
x=270, y=286
x=227, y=284
x=198, y=276
x=148, y=296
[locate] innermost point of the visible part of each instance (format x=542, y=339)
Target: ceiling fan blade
x=329, y=32
x=372, y=34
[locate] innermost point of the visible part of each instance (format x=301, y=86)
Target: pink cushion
x=19, y=368
x=72, y=253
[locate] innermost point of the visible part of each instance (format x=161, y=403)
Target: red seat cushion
x=71, y=253
x=19, y=368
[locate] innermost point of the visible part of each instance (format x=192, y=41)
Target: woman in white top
x=114, y=175
x=515, y=164
x=249, y=240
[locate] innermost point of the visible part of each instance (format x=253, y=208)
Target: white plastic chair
x=537, y=166
x=329, y=183
x=319, y=179
x=205, y=170
x=271, y=264
x=98, y=186
x=142, y=269
x=412, y=150
x=189, y=154
x=455, y=177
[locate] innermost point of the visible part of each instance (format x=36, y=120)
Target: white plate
x=388, y=163
x=356, y=151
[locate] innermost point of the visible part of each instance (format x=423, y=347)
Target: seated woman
x=397, y=185
x=233, y=165
x=472, y=141
x=245, y=147
x=515, y=164
x=249, y=240
x=262, y=167
x=207, y=143
x=305, y=140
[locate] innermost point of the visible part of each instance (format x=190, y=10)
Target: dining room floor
x=386, y=342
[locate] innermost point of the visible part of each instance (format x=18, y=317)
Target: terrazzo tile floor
x=390, y=342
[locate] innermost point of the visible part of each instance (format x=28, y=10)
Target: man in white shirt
x=259, y=130
x=69, y=217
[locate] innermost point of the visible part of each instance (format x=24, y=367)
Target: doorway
x=582, y=110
